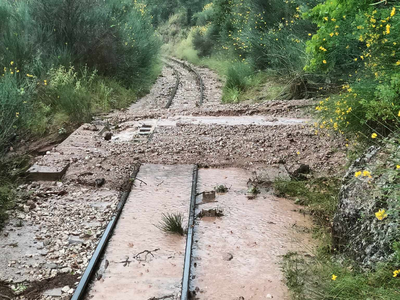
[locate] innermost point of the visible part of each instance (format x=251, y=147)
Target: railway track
x=231, y=236
x=199, y=79
x=175, y=88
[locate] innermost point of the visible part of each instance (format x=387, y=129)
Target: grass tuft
x=172, y=223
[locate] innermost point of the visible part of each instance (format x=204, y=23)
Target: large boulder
x=368, y=187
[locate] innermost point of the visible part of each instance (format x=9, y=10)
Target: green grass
x=318, y=195
x=172, y=223
x=311, y=279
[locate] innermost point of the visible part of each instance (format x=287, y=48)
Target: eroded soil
x=58, y=224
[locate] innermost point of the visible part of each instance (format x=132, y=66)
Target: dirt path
x=59, y=223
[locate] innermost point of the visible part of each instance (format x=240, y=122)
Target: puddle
x=232, y=120
x=133, y=272
x=244, y=246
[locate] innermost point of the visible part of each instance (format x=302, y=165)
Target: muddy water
x=167, y=191
x=130, y=129
x=238, y=254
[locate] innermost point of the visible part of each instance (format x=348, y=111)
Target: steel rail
x=90, y=269
x=171, y=98
x=189, y=238
x=198, y=76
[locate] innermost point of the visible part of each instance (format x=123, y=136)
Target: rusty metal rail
x=198, y=76
x=91, y=268
x=189, y=238
x=175, y=89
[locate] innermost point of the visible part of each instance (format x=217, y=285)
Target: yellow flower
x=324, y=61
x=387, y=29
x=334, y=277
x=374, y=135
x=398, y=167
x=357, y=174
x=298, y=152
x=395, y=273
x=399, y=113
x=17, y=114
x=366, y=174
x=393, y=12
x=11, y=63
x=381, y=214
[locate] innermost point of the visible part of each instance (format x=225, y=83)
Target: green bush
x=367, y=53
x=43, y=42
x=237, y=76
x=15, y=104
x=202, y=41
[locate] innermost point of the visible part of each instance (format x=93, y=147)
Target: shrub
x=202, y=41
x=15, y=104
x=237, y=76
x=369, y=101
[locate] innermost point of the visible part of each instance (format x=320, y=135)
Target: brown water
x=167, y=191
x=238, y=254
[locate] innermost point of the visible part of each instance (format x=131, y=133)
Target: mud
x=237, y=255
x=166, y=189
x=57, y=225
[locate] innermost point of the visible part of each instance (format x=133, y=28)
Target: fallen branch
x=126, y=262
x=141, y=181
x=160, y=183
x=137, y=256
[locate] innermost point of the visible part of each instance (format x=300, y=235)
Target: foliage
x=321, y=278
x=359, y=40
x=15, y=104
x=319, y=195
x=65, y=60
x=172, y=223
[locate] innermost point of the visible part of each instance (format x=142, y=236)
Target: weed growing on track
x=172, y=223
x=221, y=188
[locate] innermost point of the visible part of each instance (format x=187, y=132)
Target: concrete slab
x=47, y=173
x=135, y=276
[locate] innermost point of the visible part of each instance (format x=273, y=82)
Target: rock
x=53, y=292
x=108, y=135
x=65, y=289
x=65, y=270
x=99, y=182
x=356, y=229
x=75, y=240
x=26, y=208
x=227, y=256
x=301, y=171
x=269, y=296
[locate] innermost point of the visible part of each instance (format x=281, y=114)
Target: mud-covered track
x=91, y=268
x=199, y=79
